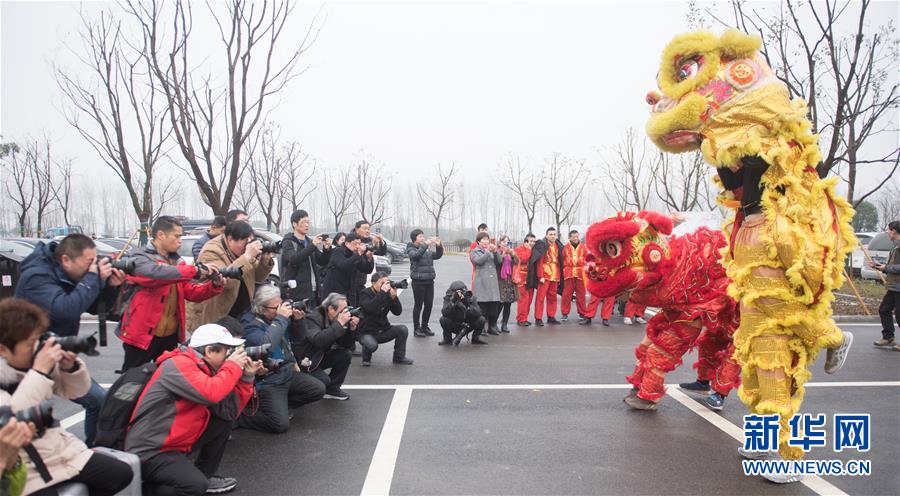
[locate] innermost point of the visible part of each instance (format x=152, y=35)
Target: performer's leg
x=670, y=341
x=539, y=302
x=580, y=297
x=551, y=298
x=568, y=289
x=609, y=304
x=592, y=306
x=523, y=305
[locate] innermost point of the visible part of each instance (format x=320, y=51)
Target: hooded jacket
x=457, y=310
x=43, y=282
x=316, y=338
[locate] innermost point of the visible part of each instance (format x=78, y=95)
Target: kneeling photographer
x=32, y=370
x=376, y=301
x=283, y=387
x=324, y=325
x=461, y=315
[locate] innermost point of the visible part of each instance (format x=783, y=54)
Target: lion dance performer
x=683, y=276
x=791, y=232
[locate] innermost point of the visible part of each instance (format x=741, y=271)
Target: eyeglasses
x=270, y=308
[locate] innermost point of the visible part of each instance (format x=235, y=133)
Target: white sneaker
x=640, y=320
x=627, y=320
x=836, y=357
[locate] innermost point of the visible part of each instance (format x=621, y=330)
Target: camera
x=302, y=305
x=125, y=264
x=324, y=236
x=74, y=344
x=272, y=364
x=401, y=284
x=461, y=295
x=355, y=311
x=271, y=247
x=260, y=352
x=232, y=272
x=40, y=415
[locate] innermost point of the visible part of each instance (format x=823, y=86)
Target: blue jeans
x=92, y=402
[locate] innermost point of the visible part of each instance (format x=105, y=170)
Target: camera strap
x=39, y=464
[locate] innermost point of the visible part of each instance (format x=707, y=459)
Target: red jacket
x=176, y=404
x=520, y=272
x=573, y=261
x=153, y=276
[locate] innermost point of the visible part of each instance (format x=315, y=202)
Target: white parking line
x=381, y=470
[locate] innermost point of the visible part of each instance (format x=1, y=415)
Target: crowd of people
x=221, y=347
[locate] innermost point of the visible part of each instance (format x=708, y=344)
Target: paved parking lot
x=538, y=411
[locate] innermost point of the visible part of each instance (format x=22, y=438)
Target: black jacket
x=342, y=270
x=537, y=253
x=302, y=265
x=460, y=311
x=421, y=261
x=315, y=338
x=375, y=306
x=362, y=274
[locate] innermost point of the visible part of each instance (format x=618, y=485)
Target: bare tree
x=63, y=191
x=265, y=167
x=299, y=171
x=340, y=195
x=525, y=183
x=371, y=187
x=124, y=121
x=628, y=174
x=682, y=182
x=888, y=202
x=18, y=183
x=40, y=165
x=212, y=120
x=437, y=195
x=565, y=185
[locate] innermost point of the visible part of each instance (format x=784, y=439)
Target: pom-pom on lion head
x=626, y=252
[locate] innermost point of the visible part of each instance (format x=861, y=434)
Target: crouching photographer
x=461, y=315
x=31, y=372
x=283, y=387
x=376, y=301
x=330, y=322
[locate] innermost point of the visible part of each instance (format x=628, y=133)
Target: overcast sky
x=413, y=83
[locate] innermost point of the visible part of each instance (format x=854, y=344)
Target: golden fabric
x=550, y=263
x=168, y=321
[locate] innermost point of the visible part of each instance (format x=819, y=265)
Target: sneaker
x=715, y=402
x=552, y=320
x=478, y=341
x=632, y=393
x=756, y=455
x=640, y=320
x=884, y=342
x=427, y=330
x=836, y=357
x=366, y=363
x=504, y=329
x=403, y=361
x=219, y=484
x=638, y=403
x=419, y=333
x=338, y=395
x=565, y=318
x=626, y=321
x=445, y=342
x=539, y=322
x=782, y=478
x=585, y=321
x=606, y=322
x=695, y=387
x=523, y=323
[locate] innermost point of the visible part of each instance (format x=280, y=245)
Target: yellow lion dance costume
x=791, y=232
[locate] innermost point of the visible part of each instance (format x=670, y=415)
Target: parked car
x=857, y=259
x=395, y=251
x=120, y=243
x=382, y=264
x=879, y=249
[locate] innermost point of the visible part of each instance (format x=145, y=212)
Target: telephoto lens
x=41, y=415
x=74, y=344
x=271, y=247
x=232, y=272
x=401, y=284
x=125, y=264
x=260, y=352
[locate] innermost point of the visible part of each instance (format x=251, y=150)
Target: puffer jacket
x=258, y=332
x=421, y=261
x=63, y=453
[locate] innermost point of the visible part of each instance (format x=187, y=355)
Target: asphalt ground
x=538, y=411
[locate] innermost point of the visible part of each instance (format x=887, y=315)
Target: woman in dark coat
x=508, y=290
x=421, y=271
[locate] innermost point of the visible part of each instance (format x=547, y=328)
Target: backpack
x=121, y=398
x=123, y=300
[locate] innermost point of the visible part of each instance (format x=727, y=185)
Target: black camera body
x=272, y=246
x=74, y=344
x=226, y=272
x=463, y=296
x=41, y=415
x=260, y=352
x=125, y=264
x=302, y=305
x=355, y=311
x=273, y=364
x=401, y=284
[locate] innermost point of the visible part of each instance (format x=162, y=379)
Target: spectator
x=544, y=272
x=485, y=261
x=376, y=301
x=346, y=262
x=66, y=280
x=283, y=387
x=509, y=263
x=154, y=320
x=421, y=271
x=461, y=315
x=30, y=373
x=336, y=242
x=482, y=228
x=891, y=301
x=216, y=228
x=236, y=214
x=573, y=255
x=301, y=257
x=520, y=277
x=188, y=406
x=234, y=248
x=325, y=325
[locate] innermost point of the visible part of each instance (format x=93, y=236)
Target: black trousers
x=397, y=334
x=102, y=475
x=135, y=357
x=270, y=410
x=423, y=299
x=338, y=360
x=491, y=311
x=172, y=473
x=451, y=327
x=890, y=303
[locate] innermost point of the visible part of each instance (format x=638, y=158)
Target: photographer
x=421, y=271
x=461, y=314
x=66, y=279
x=346, y=263
x=216, y=228
x=235, y=248
x=376, y=301
x=325, y=324
x=154, y=320
x=301, y=257
x=373, y=246
x=32, y=372
x=283, y=387
x=188, y=406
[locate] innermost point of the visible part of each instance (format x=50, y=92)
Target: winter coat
x=216, y=254
x=375, y=306
x=460, y=311
x=43, y=282
x=258, y=332
x=362, y=275
x=301, y=264
x=341, y=274
x=317, y=337
x=63, y=453
x=535, y=271
x=176, y=404
x=421, y=261
x=485, y=285
x=891, y=270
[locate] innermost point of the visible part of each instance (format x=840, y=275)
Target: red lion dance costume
x=683, y=276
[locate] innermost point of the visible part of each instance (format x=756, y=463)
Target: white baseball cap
x=208, y=334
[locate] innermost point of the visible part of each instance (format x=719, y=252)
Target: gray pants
x=272, y=413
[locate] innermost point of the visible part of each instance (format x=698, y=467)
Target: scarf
x=506, y=268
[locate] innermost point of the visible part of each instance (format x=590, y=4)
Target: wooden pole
x=869, y=258
x=856, y=292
